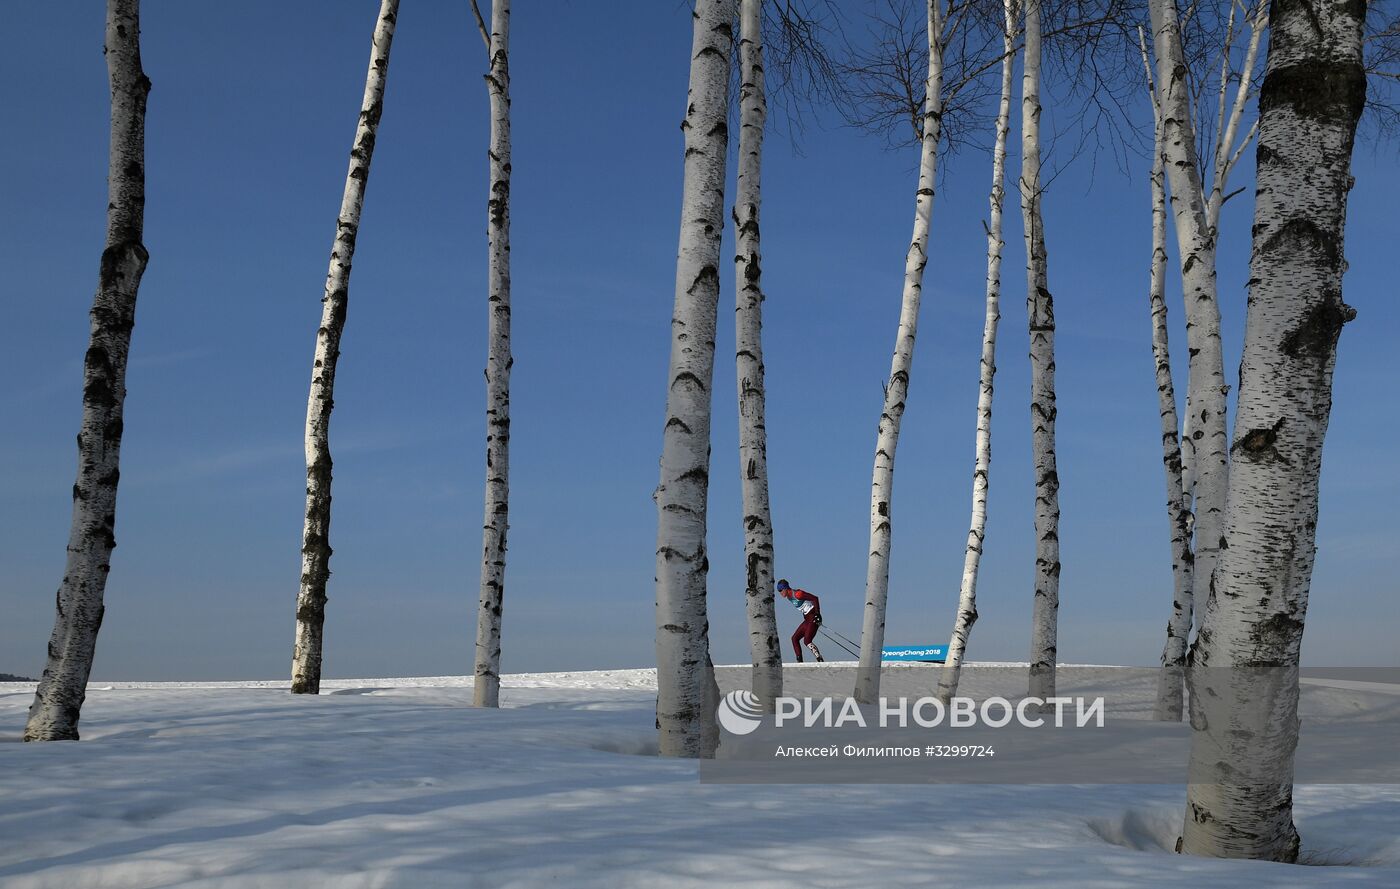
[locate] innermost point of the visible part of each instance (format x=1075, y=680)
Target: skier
x=811, y=619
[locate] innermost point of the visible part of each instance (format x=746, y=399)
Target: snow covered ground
x=384, y=783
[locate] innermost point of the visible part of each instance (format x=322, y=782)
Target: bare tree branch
x=481, y=26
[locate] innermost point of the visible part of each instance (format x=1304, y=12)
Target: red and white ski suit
x=811, y=618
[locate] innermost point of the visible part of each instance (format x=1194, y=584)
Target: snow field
x=380, y=784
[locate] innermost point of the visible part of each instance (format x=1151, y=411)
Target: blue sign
x=929, y=654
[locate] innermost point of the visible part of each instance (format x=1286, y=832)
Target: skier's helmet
x=783, y=586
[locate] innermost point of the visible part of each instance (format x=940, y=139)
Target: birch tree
x=686, y=693
x=315, y=537
x=487, y=685
x=1244, y=663
x=1170, y=679
x=63, y=686
x=1205, y=442
x=877, y=574
x=1040, y=316
x=1204, y=445
x=981, y=475
x=753, y=436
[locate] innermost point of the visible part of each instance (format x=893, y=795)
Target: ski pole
x=840, y=644
x=842, y=637
x=847, y=639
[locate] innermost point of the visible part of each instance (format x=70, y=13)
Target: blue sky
x=250, y=122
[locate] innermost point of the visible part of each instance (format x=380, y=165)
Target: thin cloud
x=246, y=457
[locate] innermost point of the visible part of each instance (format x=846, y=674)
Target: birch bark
x=1205, y=446
x=981, y=475
x=1040, y=316
x=487, y=685
x=1171, y=679
x=62, y=688
x=685, y=677
x=1244, y=664
x=315, y=538
x=1179, y=461
x=753, y=436
x=877, y=574
x=1225, y=155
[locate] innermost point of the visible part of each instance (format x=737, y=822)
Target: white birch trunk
x=315, y=538
x=1180, y=463
x=1171, y=679
x=753, y=435
x=1224, y=157
x=1205, y=444
x=63, y=687
x=877, y=574
x=981, y=475
x=487, y=686
x=685, y=677
x=1040, y=316
x=1245, y=660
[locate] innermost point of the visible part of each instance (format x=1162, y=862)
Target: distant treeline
x=10, y=677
